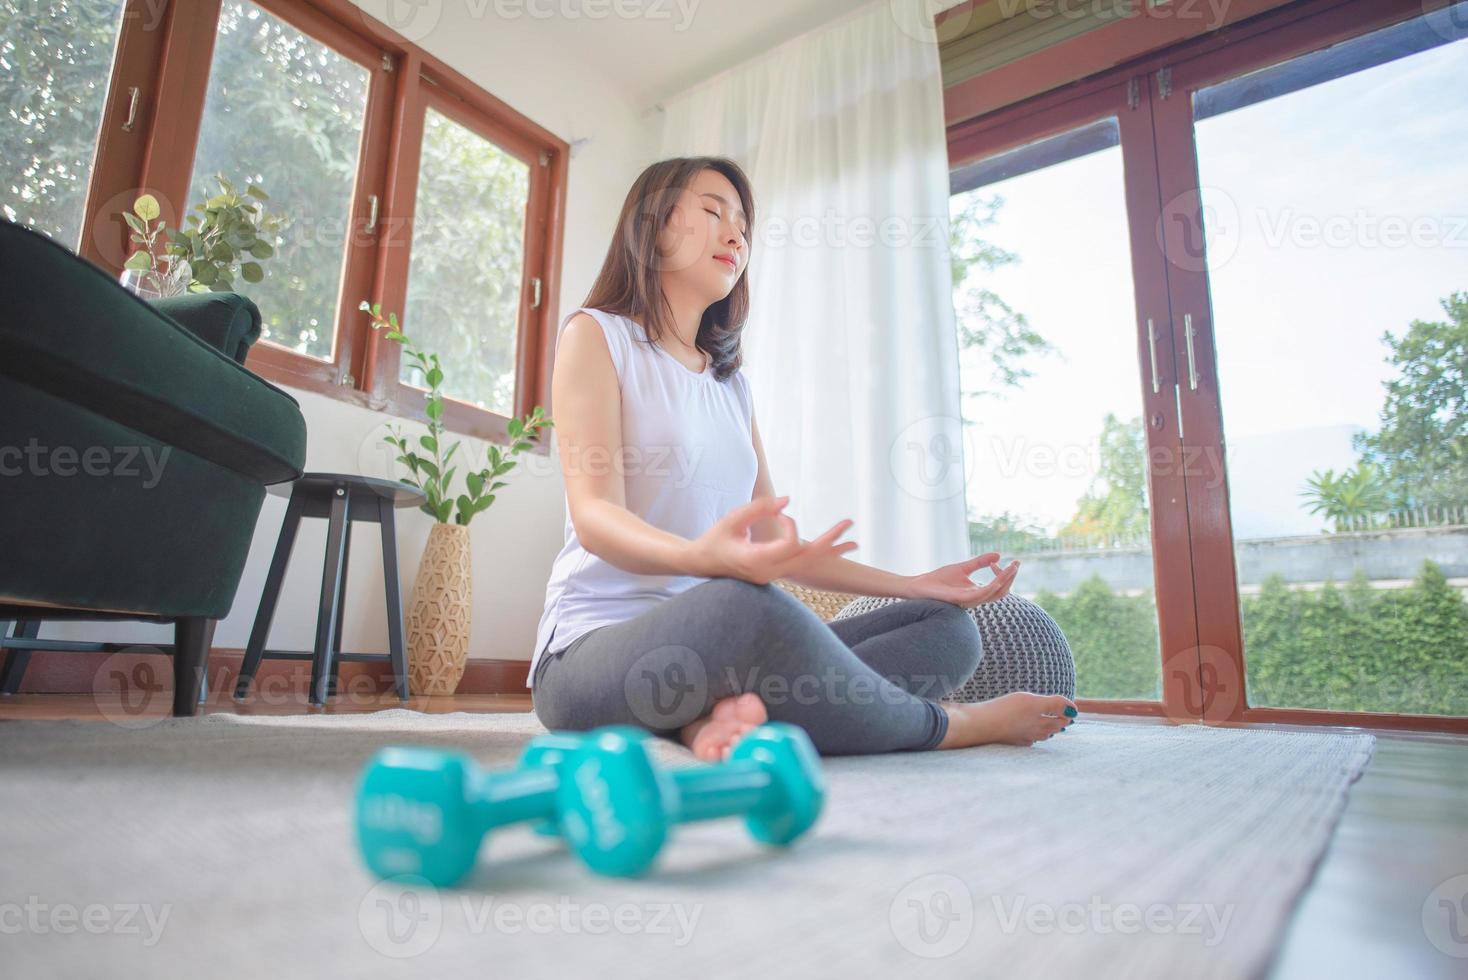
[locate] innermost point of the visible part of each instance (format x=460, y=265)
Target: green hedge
x=1345, y=648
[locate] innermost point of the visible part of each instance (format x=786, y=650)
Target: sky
x=1336, y=213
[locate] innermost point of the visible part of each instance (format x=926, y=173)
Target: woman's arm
x=835, y=573
x=588, y=417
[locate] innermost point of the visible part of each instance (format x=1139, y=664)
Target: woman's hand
x=951, y=583
x=726, y=550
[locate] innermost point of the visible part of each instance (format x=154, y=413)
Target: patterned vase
x=439, y=612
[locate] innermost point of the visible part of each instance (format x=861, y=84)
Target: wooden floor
x=42, y=707
x=1403, y=833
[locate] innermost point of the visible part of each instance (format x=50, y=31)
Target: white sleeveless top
x=688, y=459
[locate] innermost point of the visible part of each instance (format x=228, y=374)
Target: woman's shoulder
x=615, y=325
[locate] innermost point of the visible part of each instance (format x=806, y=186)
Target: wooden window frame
x=466, y=106
x=1208, y=597
x=168, y=57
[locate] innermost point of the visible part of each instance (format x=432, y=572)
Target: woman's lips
x=728, y=262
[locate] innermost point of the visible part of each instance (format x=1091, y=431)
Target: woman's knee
x=957, y=652
x=764, y=630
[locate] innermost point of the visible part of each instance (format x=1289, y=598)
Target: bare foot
x=712, y=737
x=1014, y=719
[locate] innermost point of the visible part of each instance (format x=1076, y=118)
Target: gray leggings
x=861, y=685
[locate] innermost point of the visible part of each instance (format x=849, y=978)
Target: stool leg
x=268, y=598
x=191, y=639
x=397, y=643
x=16, y=661
x=331, y=572
x=341, y=608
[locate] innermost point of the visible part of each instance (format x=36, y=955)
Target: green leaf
x=146, y=207
x=434, y=409
x=450, y=454
x=252, y=272
x=483, y=503
x=135, y=223
x=139, y=262
x=435, y=377
x=444, y=509
x=466, y=506
x=205, y=273
x=262, y=249
x=254, y=191
x=497, y=484
x=475, y=483
x=514, y=427
x=429, y=443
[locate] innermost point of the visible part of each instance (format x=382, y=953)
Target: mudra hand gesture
x=727, y=549
x=951, y=583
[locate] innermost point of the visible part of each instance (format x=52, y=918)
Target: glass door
x=1315, y=220
x=1071, y=444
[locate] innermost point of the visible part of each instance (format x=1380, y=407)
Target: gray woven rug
x=221, y=846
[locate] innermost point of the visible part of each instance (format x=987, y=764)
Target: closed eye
x=743, y=232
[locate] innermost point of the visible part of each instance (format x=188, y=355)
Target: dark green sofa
x=134, y=453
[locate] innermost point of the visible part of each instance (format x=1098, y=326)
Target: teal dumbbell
x=554, y=748
x=614, y=806
x=772, y=777
x=426, y=811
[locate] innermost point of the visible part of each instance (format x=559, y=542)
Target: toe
x=1060, y=706
x=749, y=709
x=725, y=709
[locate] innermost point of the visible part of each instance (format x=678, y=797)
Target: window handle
x=1152, y=349
x=1192, y=360
x=373, y=206
x=133, y=94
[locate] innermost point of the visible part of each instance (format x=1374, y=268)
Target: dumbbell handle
x=725, y=789
x=500, y=798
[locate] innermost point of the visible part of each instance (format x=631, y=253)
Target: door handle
x=1152, y=350
x=1192, y=360
x=128, y=124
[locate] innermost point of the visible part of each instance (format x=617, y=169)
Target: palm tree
x=1350, y=500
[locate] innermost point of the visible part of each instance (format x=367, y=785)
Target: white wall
x=516, y=540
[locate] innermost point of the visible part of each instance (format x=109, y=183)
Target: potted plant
x=229, y=237
x=439, y=607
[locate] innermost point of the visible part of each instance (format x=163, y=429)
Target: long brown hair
x=629, y=284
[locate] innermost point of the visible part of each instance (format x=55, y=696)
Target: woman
x=661, y=609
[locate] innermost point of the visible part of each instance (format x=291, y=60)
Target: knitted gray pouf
x=1024, y=649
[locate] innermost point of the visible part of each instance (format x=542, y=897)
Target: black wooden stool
x=340, y=499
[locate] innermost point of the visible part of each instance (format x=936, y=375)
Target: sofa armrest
x=228, y=322
x=71, y=332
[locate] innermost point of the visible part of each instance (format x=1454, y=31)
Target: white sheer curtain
x=851, y=348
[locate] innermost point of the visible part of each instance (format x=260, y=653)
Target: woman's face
x=705, y=243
